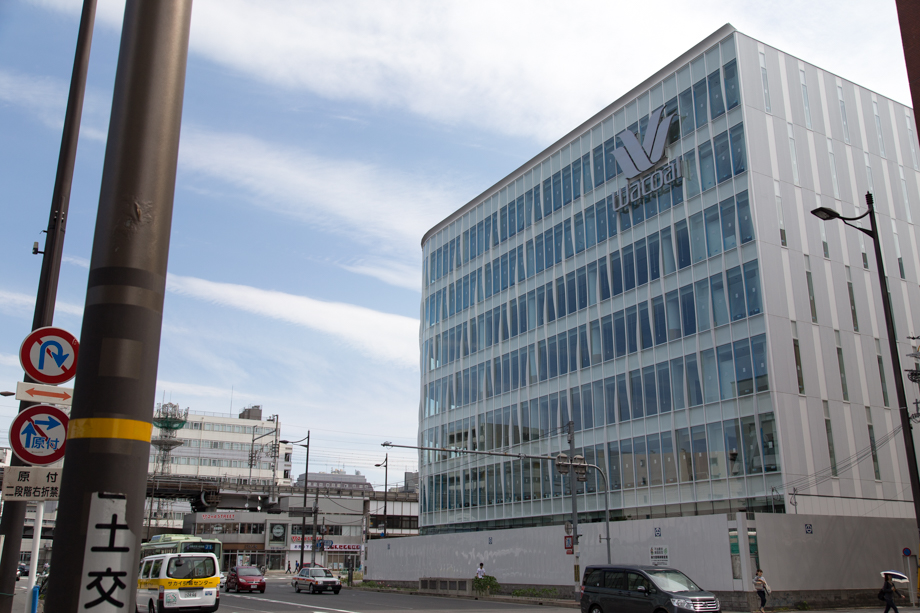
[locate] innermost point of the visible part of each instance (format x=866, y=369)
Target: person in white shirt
x=762, y=587
x=480, y=572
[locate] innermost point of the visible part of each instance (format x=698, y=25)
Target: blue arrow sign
x=29, y=432
x=49, y=422
x=59, y=356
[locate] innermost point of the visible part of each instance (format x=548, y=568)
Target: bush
x=532, y=592
x=802, y=606
x=486, y=585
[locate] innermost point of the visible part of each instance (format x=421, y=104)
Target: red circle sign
x=38, y=434
x=49, y=355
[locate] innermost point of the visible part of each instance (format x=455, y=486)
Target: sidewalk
x=20, y=598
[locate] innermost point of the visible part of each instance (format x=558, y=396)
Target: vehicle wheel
x=296, y=587
x=238, y=590
x=262, y=591
x=595, y=609
x=312, y=589
x=335, y=591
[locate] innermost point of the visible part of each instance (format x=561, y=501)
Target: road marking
x=294, y=604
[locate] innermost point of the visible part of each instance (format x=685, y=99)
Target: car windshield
x=190, y=568
x=319, y=572
x=249, y=572
x=673, y=581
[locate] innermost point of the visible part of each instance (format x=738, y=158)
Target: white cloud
x=354, y=199
x=382, y=336
x=534, y=68
x=16, y=304
x=9, y=360
x=76, y=261
x=43, y=97
x=400, y=275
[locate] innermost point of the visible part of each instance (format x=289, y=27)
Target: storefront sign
x=230, y=516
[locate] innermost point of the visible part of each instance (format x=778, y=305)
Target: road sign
x=569, y=544
x=49, y=355
x=38, y=434
x=31, y=483
x=906, y=551
x=44, y=393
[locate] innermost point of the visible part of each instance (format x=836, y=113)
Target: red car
x=245, y=578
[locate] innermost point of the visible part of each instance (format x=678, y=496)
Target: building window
x=843, y=115
x=792, y=156
x=823, y=227
x=842, y=367
x=897, y=248
x=881, y=372
x=805, y=99
x=872, y=447
x=904, y=197
x=811, y=291
x=833, y=163
x=862, y=247
x=910, y=139
x=779, y=212
x=852, y=300
x=766, y=84
x=878, y=129
x=829, y=430
x=798, y=358
x=869, y=181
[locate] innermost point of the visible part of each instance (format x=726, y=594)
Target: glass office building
x=656, y=278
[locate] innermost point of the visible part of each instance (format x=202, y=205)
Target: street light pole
x=828, y=214
x=306, y=479
x=386, y=468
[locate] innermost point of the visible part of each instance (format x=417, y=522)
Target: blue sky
x=319, y=142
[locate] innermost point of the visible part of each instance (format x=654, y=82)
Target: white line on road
x=294, y=604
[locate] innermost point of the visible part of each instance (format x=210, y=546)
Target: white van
x=187, y=582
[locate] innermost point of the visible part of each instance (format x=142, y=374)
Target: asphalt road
x=279, y=597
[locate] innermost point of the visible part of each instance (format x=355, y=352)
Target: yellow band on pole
x=106, y=427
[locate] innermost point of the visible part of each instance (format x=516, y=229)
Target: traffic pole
x=108, y=439
x=14, y=513
x=571, y=439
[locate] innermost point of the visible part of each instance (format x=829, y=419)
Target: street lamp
x=306, y=478
x=827, y=214
x=386, y=468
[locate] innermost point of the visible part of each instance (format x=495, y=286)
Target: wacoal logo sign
x=637, y=159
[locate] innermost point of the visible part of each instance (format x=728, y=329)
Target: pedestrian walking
x=888, y=591
x=762, y=587
x=296, y=566
x=481, y=572
x=288, y=571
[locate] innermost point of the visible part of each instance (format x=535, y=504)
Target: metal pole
x=108, y=441
x=303, y=519
x=571, y=439
x=386, y=469
x=313, y=547
x=896, y=365
x=606, y=504
x=36, y=542
x=14, y=513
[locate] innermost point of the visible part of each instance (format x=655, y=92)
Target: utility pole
x=108, y=441
x=565, y=468
x=303, y=518
x=14, y=513
x=315, y=512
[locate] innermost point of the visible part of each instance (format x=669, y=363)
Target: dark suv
x=643, y=589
